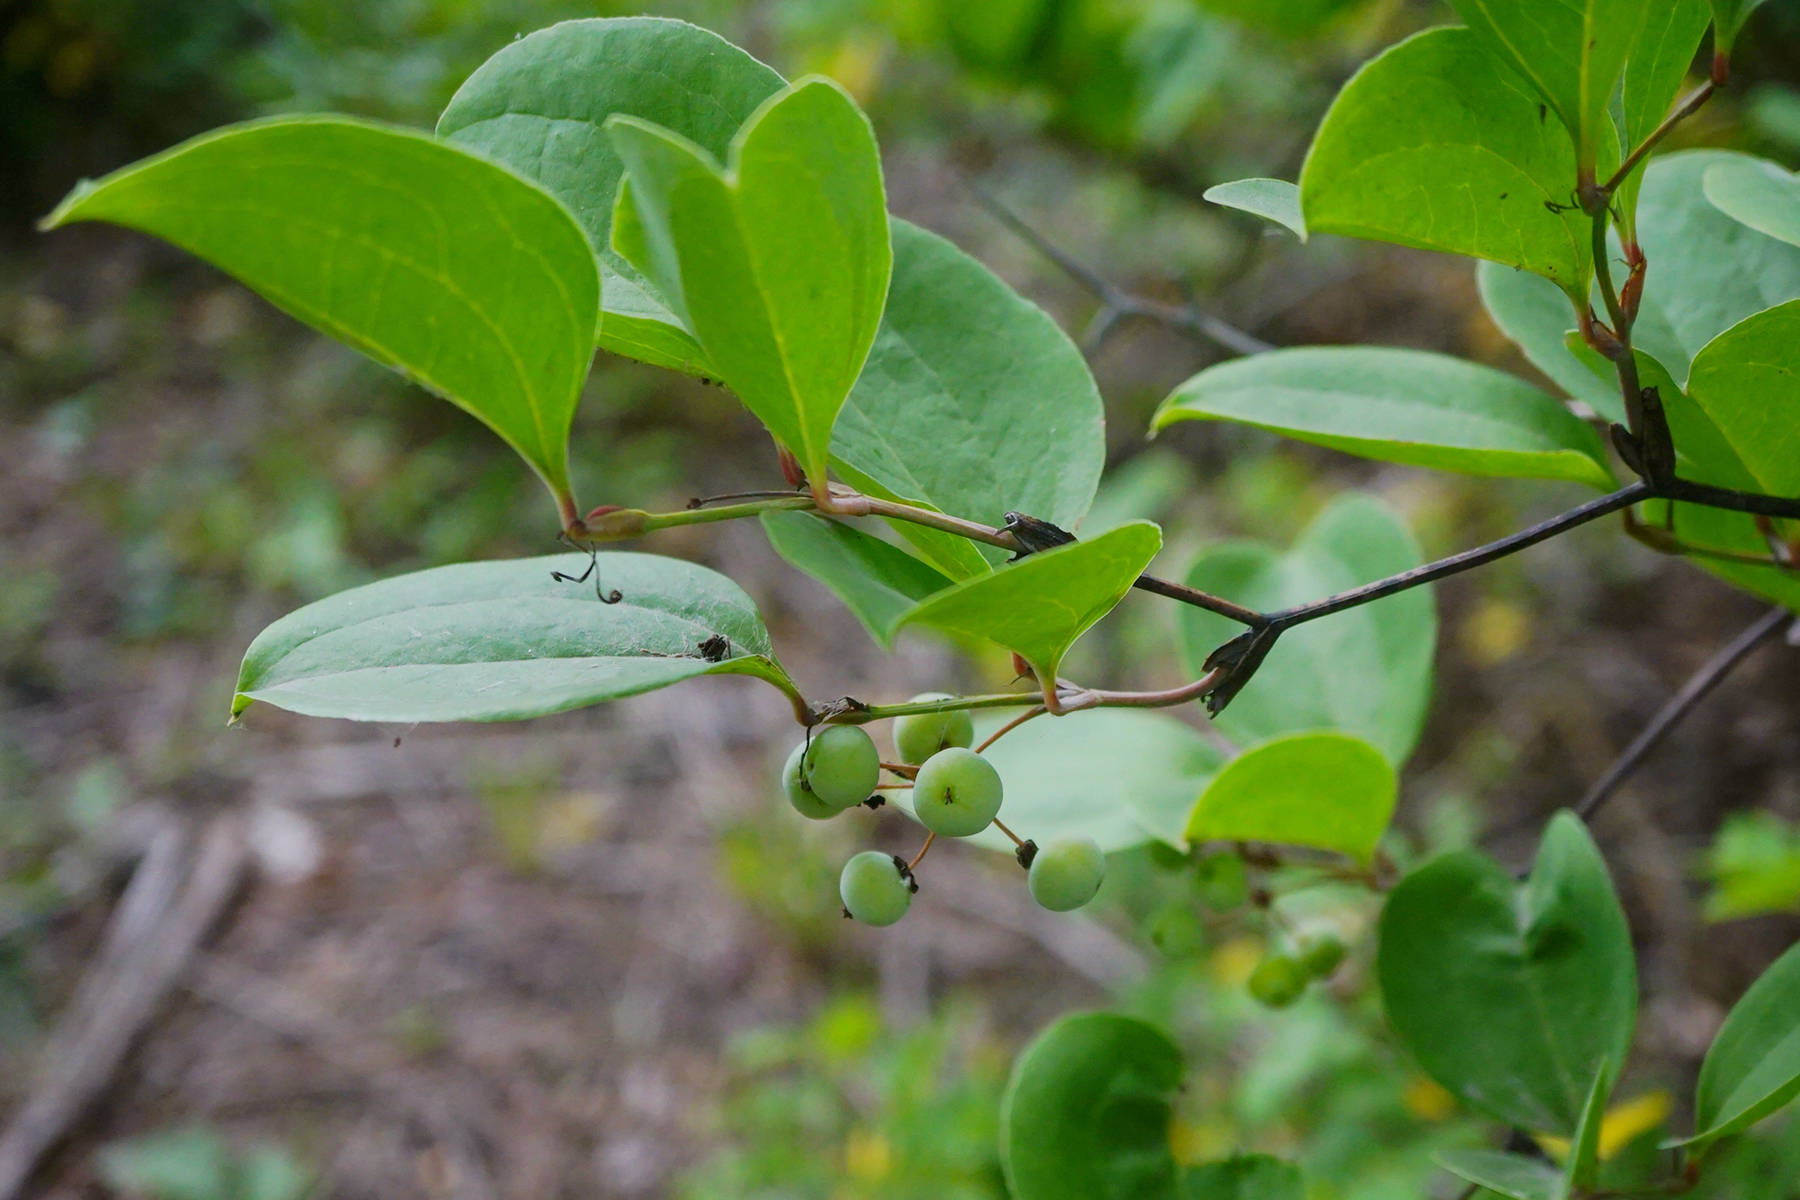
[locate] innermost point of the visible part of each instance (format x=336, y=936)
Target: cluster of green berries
x=1282, y=977
x=955, y=793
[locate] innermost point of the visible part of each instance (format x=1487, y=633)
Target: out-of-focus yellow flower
x=1426, y=1100
x=1495, y=632
x=1623, y=1124
x=867, y=1155
x=1199, y=1141
x=1233, y=961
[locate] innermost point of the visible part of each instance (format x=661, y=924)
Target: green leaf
x=1041, y=604
x=1405, y=406
x=777, y=263
x=540, y=105
x=1754, y=867
x=1436, y=144
x=1654, y=71
x=1511, y=995
x=1365, y=671
x=1244, y=1177
x=1536, y=315
x=1753, y=1066
x=463, y=276
x=1120, y=776
x=500, y=641
x=878, y=582
x=1707, y=272
x=1511, y=1175
x=1748, y=381
x=1571, y=51
x=1581, y=1171
x=973, y=402
x=1728, y=18
x=1759, y=194
x=1330, y=791
x=1274, y=200
x=1086, y=1112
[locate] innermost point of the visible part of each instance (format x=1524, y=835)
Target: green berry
x=1278, y=981
x=876, y=888
x=1222, y=882
x=1321, y=955
x=841, y=768
x=1176, y=931
x=918, y=736
x=957, y=793
x=1066, y=872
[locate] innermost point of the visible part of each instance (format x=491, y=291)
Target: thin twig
x=1680, y=704
x=1035, y=711
x=1686, y=109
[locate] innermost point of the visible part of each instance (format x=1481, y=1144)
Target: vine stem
x=1696, y=689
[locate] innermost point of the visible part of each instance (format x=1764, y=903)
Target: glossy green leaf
x=1511, y=994
x=877, y=581
x=1274, y=200
x=1753, y=866
x=1120, y=776
x=1572, y=52
x=1405, y=406
x=1748, y=381
x=1041, y=604
x=1329, y=791
x=1511, y=1175
x=1365, y=671
x=1759, y=194
x=1579, y=1173
x=463, y=276
x=1728, y=19
x=1536, y=315
x=1086, y=1112
x=1654, y=71
x=1753, y=1066
x=777, y=262
x=1245, y=1177
x=500, y=641
x=973, y=402
x=1436, y=144
x=1707, y=272
x=540, y=105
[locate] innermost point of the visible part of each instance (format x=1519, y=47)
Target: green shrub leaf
x=540, y=105
x=500, y=641
x=1274, y=200
x=1753, y=1066
x=778, y=262
x=1654, y=72
x=1584, y=1148
x=1747, y=380
x=1511, y=1175
x=1329, y=791
x=1086, y=1112
x=1511, y=995
x=1535, y=314
x=1245, y=1177
x=1759, y=194
x=1040, y=605
x=449, y=268
x=1435, y=144
x=1728, y=18
x=1405, y=406
x=1365, y=671
x=878, y=582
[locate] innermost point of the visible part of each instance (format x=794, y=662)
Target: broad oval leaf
x=1040, y=605
x=1329, y=791
x=1759, y=194
x=500, y=641
x=1404, y=406
x=877, y=582
x=1123, y=777
x=1244, y=1177
x=1365, y=671
x=1748, y=381
x=1274, y=200
x=1511, y=1175
x=1654, y=71
x=449, y=268
x=1536, y=315
x=1086, y=1111
x=1440, y=108
x=1511, y=995
x=973, y=402
x=777, y=262
x=1572, y=52
x=1728, y=18
x=540, y=105
x=1753, y=1066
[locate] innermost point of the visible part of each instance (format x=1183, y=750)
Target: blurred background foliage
x=181, y=464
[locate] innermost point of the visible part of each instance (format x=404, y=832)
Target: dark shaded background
x=592, y=956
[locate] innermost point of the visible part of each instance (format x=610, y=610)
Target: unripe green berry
x=876, y=888
x=1176, y=930
x=957, y=793
x=841, y=767
x=1322, y=954
x=1278, y=981
x=1066, y=872
x=918, y=736
x=1222, y=882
